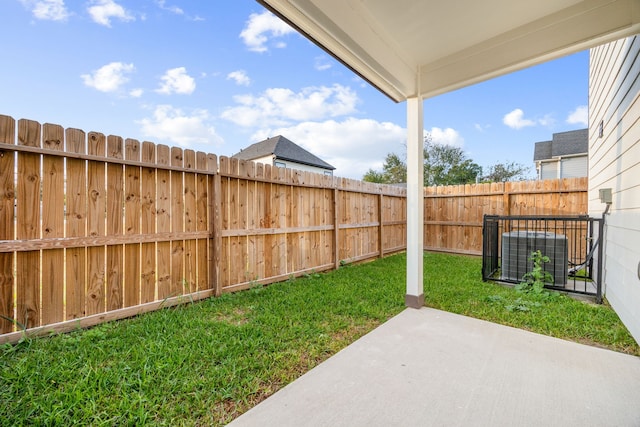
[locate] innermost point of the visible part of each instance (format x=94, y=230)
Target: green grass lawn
x=207, y=362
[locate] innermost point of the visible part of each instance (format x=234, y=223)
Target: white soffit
x=427, y=47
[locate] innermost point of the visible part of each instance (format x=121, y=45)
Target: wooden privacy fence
x=453, y=214
x=95, y=227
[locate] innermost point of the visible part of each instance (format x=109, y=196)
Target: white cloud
x=481, y=128
x=547, y=120
x=136, y=93
x=321, y=63
x=446, y=136
x=103, y=11
x=260, y=27
x=172, y=124
x=47, y=10
x=579, y=116
x=108, y=78
x=176, y=80
x=173, y=9
x=515, y=119
x=281, y=107
x=352, y=146
x=240, y=77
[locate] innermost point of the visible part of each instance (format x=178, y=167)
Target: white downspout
x=415, y=203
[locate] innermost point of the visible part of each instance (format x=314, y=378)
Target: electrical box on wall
x=605, y=196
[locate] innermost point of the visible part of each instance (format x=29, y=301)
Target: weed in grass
x=532, y=291
x=522, y=305
x=535, y=280
x=313, y=274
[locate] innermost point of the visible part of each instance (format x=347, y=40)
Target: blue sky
x=219, y=75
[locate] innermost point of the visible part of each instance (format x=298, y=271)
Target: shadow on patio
x=429, y=367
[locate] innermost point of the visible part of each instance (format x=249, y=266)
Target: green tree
x=374, y=176
x=394, y=171
x=510, y=171
x=443, y=165
x=448, y=165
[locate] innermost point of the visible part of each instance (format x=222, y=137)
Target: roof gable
x=283, y=149
x=572, y=142
x=563, y=144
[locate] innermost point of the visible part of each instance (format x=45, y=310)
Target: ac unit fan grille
x=517, y=247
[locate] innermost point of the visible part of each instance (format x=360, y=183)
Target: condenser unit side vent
x=517, y=247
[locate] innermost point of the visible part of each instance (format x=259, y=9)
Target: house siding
x=306, y=168
x=573, y=167
x=267, y=160
x=614, y=162
x=549, y=170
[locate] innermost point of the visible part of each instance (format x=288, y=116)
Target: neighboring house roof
x=282, y=149
x=563, y=144
x=542, y=150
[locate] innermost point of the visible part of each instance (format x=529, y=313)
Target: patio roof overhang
x=409, y=48
x=415, y=49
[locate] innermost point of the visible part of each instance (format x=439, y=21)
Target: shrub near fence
x=95, y=227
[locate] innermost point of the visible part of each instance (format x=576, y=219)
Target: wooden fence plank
x=255, y=211
x=7, y=217
x=224, y=196
x=115, y=223
x=202, y=221
x=279, y=245
x=190, y=223
x=76, y=222
x=132, y=227
x=53, y=200
x=215, y=227
x=148, y=292
x=177, y=223
x=28, y=225
x=235, y=263
x=163, y=218
x=96, y=214
x=241, y=259
x=265, y=220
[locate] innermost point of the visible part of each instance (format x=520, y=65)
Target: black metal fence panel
x=571, y=244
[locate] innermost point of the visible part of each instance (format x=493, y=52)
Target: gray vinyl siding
x=614, y=162
x=573, y=167
x=549, y=170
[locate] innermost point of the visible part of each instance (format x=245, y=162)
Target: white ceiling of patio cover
x=427, y=47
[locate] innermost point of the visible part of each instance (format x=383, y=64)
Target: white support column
x=415, y=203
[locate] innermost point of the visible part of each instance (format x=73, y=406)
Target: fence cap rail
x=540, y=217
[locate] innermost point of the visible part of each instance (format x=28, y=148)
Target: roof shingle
x=563, y=144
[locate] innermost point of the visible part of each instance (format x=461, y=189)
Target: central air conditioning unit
x=517, y=247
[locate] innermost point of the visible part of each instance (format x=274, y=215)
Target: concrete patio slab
x=432, y=368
